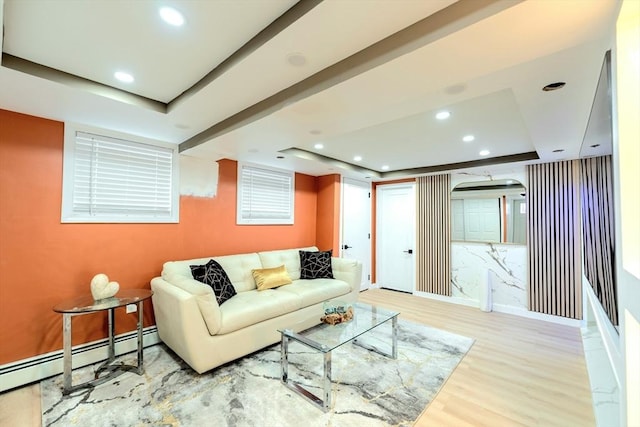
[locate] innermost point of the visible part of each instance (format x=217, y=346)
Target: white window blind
x=115, y=180
x=265, y=196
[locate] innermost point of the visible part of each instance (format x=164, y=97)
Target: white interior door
x=356, y=225
x=395, y=237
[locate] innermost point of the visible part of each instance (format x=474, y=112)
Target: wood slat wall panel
x=555, y=274
x=598, y=230
x=433, y=230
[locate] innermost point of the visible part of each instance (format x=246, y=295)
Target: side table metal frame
x=112, y=370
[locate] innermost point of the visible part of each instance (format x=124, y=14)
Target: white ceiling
x=487, y=68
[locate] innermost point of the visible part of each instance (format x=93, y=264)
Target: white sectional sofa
x=206, y=335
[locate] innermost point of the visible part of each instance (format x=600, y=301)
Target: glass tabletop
x=86, y=303
x=327, y=337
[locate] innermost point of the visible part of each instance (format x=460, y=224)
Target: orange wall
x=328, y=220
x=43, y=261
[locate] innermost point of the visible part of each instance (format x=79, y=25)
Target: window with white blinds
x=265, y=196
x=116, y=180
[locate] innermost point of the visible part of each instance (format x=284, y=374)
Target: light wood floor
x=519, y=372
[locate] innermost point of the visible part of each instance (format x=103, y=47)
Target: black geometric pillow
x=315, y=265
x=214, y=275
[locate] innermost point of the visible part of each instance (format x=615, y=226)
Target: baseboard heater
x=37, y=368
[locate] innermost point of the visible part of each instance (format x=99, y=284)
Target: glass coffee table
x=325, y=338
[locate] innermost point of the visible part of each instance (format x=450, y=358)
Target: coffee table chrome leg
x=393, y=354
x=284, y=358
x=394, y=337
x=326, y=402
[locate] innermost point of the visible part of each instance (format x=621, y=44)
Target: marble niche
x=503, y=266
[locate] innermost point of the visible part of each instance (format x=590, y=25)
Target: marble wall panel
x=504, y=265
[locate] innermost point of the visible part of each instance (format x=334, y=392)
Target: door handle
x=408, y=251
x=346, y=246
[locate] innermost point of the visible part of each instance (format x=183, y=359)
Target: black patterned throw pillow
x=315, y=265
x=214, y=275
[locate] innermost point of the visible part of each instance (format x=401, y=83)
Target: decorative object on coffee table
x=337, y=312
x=102, y=288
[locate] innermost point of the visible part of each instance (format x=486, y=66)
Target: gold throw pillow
x=267, y=278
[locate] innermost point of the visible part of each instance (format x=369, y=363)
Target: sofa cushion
x=238, y=268
x=214, y=275
x=268, y=278
x=251, y=307
x=315, y=265
x=289, y=257
x=317, y=290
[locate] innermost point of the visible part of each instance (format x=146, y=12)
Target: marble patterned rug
x=368, y=389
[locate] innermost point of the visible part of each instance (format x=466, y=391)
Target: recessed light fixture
x=468, y=138
x=553, y=86
x=318, y=146
x=595, y=146
x=280, y=157
x=559, y=150
x=443, y=115
x=171, y=16
x=385, y=167
x=484, y=152
x=357, y=158
x=296, y=59
x=123, y=77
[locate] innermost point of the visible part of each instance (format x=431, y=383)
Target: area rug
x=368, y=388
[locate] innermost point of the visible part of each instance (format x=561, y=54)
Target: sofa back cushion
x=237, y=267
x=289, y=257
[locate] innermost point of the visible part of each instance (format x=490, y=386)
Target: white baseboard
x=502, y=308
x=39, y=367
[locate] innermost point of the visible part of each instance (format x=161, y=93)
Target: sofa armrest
x=178, y=319
x=350, y=271
x=203, y=295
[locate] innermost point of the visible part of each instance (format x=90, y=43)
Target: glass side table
x=86, y=305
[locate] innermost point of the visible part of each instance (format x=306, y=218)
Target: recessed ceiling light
x=171, y=16
x=553, y=86
x=123, y=77
x=280, y=157
x=443, y=115
x=318, y=146
x=385, y=167
x=357, y=158
x=595, y=146
x=468, y=138
x=559, y=150
x=296, y=59
x=484, y=153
